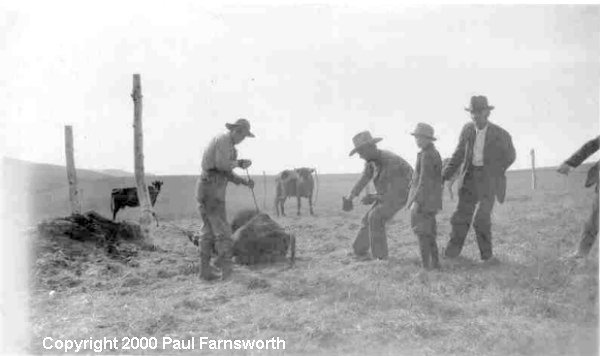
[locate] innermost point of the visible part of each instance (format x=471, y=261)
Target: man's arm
x=416, y=186
x=363, y=181
x=509, y=151
x=224, y=158
x=588, y=149
x=426, y=178
x=457, y=156
x=234, y=178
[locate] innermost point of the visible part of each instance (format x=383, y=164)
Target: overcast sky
x=308, y=78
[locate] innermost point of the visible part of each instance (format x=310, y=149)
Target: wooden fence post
x=71, y=173
x=533, y=174
x=138, y=149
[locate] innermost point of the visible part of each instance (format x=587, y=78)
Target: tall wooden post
x=138, y=149
x=71, y=173
x=533, y=174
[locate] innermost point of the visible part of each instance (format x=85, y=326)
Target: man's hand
x=564, y=169
x=369, y=199
x=347, y=203
x=244, y=163
x=249, y=183
x=414, y=206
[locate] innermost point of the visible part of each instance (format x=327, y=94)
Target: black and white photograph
x=299, y=178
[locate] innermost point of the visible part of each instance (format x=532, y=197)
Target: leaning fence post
x=533, y=174
x=71, y=172
x=138, y=149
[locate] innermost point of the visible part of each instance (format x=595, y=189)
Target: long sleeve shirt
x=588, y=149
x=220, y=157
x=478, y=146
x=426, y=185
x=391, y=177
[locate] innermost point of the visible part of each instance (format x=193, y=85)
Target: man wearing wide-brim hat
x=391, y=177
x=482, y=156
x=218, y=161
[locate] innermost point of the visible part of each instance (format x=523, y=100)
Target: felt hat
x=243, y=123
x=362, y=139
x=479, y=103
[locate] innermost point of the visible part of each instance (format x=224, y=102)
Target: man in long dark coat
x=482, y=156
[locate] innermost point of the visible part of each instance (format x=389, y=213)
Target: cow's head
x=304, y=172
x=157, y=184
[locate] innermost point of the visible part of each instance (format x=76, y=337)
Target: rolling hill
x=46, y=189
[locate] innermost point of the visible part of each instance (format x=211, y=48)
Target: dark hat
x=362, y=139
x=243, y=123
x=479, y=103
x=424, y=130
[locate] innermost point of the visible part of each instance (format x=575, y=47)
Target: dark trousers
x=590, y=229
x=372, y=232
x=424, y=226
x=476, y=197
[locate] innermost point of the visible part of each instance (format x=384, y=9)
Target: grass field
x=532, y=302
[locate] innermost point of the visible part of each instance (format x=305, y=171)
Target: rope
x=252, y=189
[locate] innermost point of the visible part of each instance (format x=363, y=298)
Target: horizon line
x=100, y=170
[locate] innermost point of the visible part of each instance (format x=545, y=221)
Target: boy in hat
x=425, y=197
x=391, y=178
x=218, y=161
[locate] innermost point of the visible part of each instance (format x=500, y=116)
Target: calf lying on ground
x=124, y=197
x=256, y=239
x=259, y=239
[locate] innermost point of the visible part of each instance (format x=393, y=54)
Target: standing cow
x=123, y=197
x=297, y=183
x=452, y=179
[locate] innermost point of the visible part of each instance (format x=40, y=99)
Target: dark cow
x=123, y=197
x=449, y=183
x=297, y=183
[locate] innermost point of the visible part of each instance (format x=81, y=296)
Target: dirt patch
x=73, y=249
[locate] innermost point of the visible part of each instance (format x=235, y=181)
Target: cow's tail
x=317, y=192
x=277, y=194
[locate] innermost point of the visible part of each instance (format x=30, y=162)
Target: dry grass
x=329, y=303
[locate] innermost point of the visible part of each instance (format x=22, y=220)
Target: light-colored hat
x=362, y=139
x=424, y=130
x=243, y=123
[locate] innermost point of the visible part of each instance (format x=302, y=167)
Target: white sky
x=308, y=77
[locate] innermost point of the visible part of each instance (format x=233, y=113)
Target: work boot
x=226, y=269
x=206, y=270
x=224, y=256
x=435, y=257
